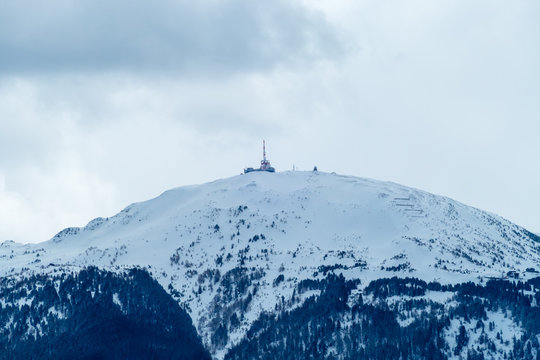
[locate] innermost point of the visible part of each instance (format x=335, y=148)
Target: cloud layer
x=191, y=37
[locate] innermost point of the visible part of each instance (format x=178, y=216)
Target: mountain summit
x=233, y=249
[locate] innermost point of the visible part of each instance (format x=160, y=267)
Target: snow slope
x=296, y=224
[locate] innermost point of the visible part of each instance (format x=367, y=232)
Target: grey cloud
x=188, y=36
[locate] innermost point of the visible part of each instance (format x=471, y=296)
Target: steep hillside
x=94, y=314
x=236, y=248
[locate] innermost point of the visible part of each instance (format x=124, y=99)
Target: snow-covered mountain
x=235, y=248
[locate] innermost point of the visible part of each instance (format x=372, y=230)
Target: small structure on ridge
x=265, y=164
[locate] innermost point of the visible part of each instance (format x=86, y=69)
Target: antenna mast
x=265, y=164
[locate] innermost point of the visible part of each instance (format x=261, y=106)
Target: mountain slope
x=232, y=249
x=401, y=318
x=94, y=314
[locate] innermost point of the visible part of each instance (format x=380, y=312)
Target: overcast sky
x=105, y=103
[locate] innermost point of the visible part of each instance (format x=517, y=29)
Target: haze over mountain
x=103, y=103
